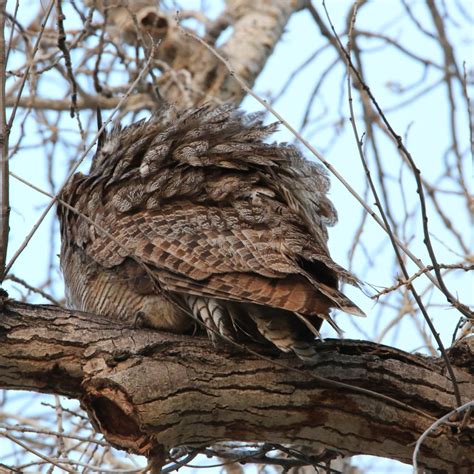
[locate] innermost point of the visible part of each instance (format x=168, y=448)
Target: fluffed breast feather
x=206, y=214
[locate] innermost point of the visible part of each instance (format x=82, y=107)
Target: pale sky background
x=425, y=122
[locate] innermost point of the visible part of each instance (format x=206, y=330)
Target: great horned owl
x=196, y=216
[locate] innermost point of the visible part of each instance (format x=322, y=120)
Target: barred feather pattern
x=196, y=214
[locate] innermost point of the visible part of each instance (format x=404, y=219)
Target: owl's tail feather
x=214, y=316
x=285, y=330
x=295, y=293
x=305, y=351
x=339, y=299
x=309, y=324
x=290, y=332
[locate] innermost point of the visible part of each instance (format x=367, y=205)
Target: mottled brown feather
x=207, y=218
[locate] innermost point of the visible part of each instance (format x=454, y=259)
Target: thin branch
x=140, y=101
x=48, y=459
x=4, y=132
x=409, y=281
x=435, y=425
x=30, y=429
x=30, y=64
x=33, y=289
x=76, y=165
x=340, y=49
x=67, y=59
x=469, y=110
x=379, y=205
x=417, y=174
x=417, y=261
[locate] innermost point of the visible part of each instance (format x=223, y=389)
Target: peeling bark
x=147, y=390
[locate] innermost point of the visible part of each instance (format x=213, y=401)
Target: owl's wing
x=208, y=251
x=213, y=213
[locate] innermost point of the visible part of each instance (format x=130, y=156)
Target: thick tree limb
x=191, y=74
x=145, y=389
x=195, y=76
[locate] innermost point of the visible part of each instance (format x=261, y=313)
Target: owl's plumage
x=197, y=215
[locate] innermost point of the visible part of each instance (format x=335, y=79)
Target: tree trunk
x=146, y=390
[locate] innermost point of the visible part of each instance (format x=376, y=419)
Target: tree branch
x=4, y=133
x=194, y=75
x=145, y=390
x=138, y=101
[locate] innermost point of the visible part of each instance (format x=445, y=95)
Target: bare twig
x=33, y=289
x=469, y=114
x=435, y=425
x=335, y=41
x=454, y=266
x=48, y=459
x=30, y=63
x=4, y=132
x=419, y=186
x=140, y=101
x=76, y=165
x=30, y=429
x=67, y=59
x=417, y=261
x=379, y=205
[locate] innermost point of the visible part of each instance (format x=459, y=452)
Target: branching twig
x=379, y=205
x=37, y=453
x=409, y=281
x=30, y=64
x=74, y=168
x=67, y=59
x=417, y=174
x=134, y=101
x=32, y=288
x=418, y=262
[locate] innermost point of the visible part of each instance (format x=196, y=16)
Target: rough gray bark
x=147, y=390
